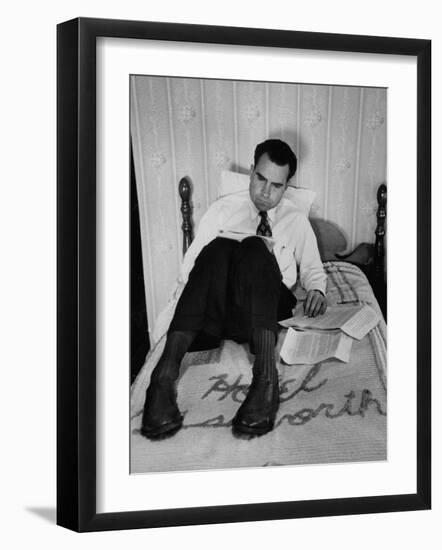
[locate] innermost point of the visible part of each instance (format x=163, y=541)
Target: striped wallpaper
x=196, y=128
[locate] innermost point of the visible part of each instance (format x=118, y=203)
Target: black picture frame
x=77, y=287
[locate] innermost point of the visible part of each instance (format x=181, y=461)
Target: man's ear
x=252, y=167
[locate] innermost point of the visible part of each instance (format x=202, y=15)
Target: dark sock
x=177, y=344
x=264, y=367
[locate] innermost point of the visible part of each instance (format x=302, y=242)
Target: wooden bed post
x=184, y=189
x=379, y=245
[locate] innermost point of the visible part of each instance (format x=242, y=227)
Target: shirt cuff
x=319, y=290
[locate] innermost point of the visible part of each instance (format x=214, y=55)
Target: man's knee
x=217, y=250
x=257, y=261
x=254, y=245
x=254, y=251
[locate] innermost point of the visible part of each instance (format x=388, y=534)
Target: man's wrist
x=317, y=290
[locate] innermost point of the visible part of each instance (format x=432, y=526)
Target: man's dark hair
x=279, y=153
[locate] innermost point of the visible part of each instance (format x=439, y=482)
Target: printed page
x=234, y=235
x=354, y=320
x=344, y=348
x=359, y=325
x=307, y=348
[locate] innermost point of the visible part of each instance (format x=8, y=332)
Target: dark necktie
x=264, y=226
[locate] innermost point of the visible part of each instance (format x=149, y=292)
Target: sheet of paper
x=359, y=325
x=354, y=320
x=309, y=347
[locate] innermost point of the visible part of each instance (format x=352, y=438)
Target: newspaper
x=240, y=235
x=354, y=320
x=307, y=348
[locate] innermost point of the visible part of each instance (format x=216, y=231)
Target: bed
x=330, y=412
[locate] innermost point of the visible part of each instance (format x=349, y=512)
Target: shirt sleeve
x=207, y=230
x=311, y=270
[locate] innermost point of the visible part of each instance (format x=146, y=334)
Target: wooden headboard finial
x=379, y=245
x=185, y=189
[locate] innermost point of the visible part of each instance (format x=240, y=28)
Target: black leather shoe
x=257, y=414
x=161, y=416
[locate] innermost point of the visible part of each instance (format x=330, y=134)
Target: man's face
x=268, y=181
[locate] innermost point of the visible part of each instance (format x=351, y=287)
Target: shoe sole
x=162, y=432
x=242, y=429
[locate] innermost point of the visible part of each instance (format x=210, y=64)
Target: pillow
x=234, y=182
x=301, y=197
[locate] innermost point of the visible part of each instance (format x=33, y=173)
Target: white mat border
x=116, y=489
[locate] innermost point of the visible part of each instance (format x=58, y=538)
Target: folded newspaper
x=309, y=347
x=354, y=320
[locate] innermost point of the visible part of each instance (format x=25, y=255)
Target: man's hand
x=315, y=303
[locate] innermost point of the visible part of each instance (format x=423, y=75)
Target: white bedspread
x=329, y=412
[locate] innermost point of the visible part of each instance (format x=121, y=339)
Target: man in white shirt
x=238, y=275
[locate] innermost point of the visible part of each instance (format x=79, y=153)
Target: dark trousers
x=233, y=288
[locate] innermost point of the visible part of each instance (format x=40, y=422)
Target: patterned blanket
x=329, y=412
